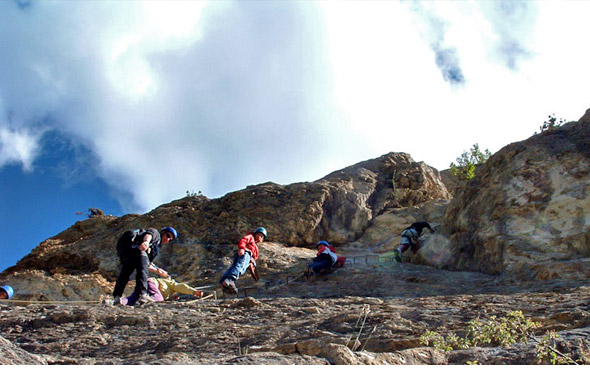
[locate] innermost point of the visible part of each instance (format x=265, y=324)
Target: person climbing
x=245, y=259
x=411, y=238
x=6, y=292
x=325, y=258
x=161, y=289
x=137, y=251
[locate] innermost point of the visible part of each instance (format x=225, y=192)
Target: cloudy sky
x=124, y=106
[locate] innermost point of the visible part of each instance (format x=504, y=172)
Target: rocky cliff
x=527, y=212
x=340, y=208
x=515, y=237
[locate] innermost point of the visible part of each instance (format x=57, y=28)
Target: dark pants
x=321, y=263
x=133, y=260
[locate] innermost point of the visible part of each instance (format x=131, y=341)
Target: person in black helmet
x=244, y=260
x=411, y=238
x=137, y=251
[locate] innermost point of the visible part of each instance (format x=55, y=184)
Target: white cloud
x=399, y=97
x=19, y=146
x=177, y=96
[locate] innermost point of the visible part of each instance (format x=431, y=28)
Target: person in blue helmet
x=137, y=250
x=244, y=260
x=325, y=258
x=6, y=292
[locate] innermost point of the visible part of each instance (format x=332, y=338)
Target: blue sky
x=128, y=105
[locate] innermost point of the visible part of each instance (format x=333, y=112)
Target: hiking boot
x=117, y=300
x=225, y=284
x=398, y=255
x=144, y=299
x=229, y=286
x=232, y=287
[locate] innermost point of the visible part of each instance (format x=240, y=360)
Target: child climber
x=325, y=258
x=6, y=292
x=161, y=289
x=245, y=259
x=411, y=238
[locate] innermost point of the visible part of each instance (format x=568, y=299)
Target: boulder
x=527, y=212
x=11, y=354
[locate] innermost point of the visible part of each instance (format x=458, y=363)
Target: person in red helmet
x=245, y=259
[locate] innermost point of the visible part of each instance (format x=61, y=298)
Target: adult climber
x=245, y=259
x=137, y=251
x=6, y=292
x=325, y=258
x=411, y=238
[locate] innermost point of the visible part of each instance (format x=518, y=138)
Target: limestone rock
x=288, y=330
x=523, y=221
x=526, y=213
x=13, y=355
x=339, y=208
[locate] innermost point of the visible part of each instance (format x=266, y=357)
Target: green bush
x=504, y=331
x=547, y=350
x=494, y=332
x=466, y=163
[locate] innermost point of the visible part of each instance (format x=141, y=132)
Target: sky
x=127, y=105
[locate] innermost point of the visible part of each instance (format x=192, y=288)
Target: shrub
x=512, y=328
x=551, y=123
x=466, y=163
x=494, y=332
x=95, y=212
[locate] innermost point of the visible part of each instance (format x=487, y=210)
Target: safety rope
x=52, y=301
x=205, y=287
x=288, y=280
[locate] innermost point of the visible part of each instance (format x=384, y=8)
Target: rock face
x=527, y=212
x=14, y=355
x=339, y=208
x=371, y=313
x=517, y=237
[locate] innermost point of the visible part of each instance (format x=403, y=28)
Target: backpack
x=127, y=241
x=340, y=262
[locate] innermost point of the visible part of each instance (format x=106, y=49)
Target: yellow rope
x=53, y=302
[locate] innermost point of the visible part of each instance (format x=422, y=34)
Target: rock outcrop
x=527, y=211
x=517, y=237
x=375, y=328
x=340, y=208
x=14, y=355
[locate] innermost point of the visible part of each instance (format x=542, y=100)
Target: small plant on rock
x=466, y=163
x=547, y=350
x=504, y=331
x=551, y=123
x=95, y=212
x=193, y=194
x=494, y=332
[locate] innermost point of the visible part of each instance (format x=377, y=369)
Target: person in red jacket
x=245, y=259
x=325, y=258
